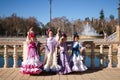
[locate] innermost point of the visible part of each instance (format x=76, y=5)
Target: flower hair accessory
x=75, y=33
x=31, y=34
x=64, y=35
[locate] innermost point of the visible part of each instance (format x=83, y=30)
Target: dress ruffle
x=55, y=68
x=78, y=64
x=31, y=67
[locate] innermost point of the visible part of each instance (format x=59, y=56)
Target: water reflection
x=87, y=61
x=10, y=61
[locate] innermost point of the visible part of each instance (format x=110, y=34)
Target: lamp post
x=50, y=12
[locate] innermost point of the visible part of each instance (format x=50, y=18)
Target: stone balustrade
x=15, y=56
x=92, y=47
x=110, y=45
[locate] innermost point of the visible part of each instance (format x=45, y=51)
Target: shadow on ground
x=72, y=73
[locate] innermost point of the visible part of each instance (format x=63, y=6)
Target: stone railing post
x=118, y=56
x=101, y=57
x=15, y=57
x=92, y=56
x=5, y=56
x=110, y=56
x=25, y=50
x=84, y=56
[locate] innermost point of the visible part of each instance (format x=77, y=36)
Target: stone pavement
x=104, y=74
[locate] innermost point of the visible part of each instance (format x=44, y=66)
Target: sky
x=71, y=9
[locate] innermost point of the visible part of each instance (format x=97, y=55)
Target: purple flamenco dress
x=32, y=64
x=64, y=59
x=51, y=53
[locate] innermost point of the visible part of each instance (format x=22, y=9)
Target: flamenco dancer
x=31, y=63
x=63, y=55
x=76, y=56
x=50, y=60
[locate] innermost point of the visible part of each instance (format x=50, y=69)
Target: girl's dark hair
x=64, y=35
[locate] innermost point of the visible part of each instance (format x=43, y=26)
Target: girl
x=31, y=64
x=76, y=56
x=51, y=53
x=63, y=55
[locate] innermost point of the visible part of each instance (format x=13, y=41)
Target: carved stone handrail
x=112, y=37
x=11, y=42
x=100, y=43
x=106, y=42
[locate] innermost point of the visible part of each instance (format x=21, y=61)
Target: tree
x=102, y=15
x=15, y=26
x=61, y=22
x=111, y=17
x=78, y=26
x=101, y=22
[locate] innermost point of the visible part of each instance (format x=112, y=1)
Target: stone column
x=84, y=56
x=118, y=56
x=5, y=56
x=101, y=57
x=118, y=33
x=92, y=56
x=15, y=57
x=110, y=56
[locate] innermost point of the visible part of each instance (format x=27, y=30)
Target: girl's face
x=76, y=38
x=32, y=38
x=50, y=34
x=65, y=39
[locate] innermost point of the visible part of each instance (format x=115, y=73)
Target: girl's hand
x=41, y=49
x=82, y=49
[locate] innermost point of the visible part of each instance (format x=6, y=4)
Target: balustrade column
x=15, y=57
x=84, y=56
x=101, y=57
x=5, y=56
x=110, y=56
x=92, y=56
x=118, y=56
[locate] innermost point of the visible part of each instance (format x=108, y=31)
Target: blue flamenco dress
x=77, y=58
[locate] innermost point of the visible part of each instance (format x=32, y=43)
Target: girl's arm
x=61, y=40
x=81, y=47
x=41, y=49
x=58, y=34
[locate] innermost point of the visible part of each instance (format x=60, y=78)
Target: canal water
x=87, y=61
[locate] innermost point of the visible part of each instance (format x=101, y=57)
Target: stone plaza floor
x=104, y=74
